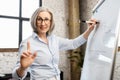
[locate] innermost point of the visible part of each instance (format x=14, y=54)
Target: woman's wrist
x=21, y=71
x=22, y=68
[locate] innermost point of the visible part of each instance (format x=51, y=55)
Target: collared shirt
x=46, y=63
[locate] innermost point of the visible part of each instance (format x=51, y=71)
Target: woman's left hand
x=92, y=23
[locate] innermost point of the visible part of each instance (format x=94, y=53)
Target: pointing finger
x=28, y=46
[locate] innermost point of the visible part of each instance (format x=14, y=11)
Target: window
x=14, y=21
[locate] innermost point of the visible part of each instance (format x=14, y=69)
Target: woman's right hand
x=26, y=60
x=27, y=57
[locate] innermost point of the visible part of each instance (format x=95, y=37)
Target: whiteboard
x=102, y=42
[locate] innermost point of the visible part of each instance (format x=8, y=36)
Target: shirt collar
x=35, y=35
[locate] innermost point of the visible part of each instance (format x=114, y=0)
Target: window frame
x=20, y=19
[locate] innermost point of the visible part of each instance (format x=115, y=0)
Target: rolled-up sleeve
x=15, y=75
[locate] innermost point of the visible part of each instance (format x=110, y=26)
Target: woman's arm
x=26, y=59
x=68, y=44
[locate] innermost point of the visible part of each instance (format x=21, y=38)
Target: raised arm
x=26, y=60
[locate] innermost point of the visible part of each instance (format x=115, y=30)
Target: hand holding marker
x=90, y=22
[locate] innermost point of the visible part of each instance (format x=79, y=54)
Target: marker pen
x=88, y=22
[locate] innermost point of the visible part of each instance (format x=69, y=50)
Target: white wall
x=7, y=61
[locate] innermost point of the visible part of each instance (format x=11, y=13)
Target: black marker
x=89, y=22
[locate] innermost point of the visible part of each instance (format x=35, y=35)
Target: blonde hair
x=34, y=17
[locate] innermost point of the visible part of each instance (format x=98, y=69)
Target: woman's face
x=43, y=22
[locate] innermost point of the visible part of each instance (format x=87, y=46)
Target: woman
x=39, y=54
